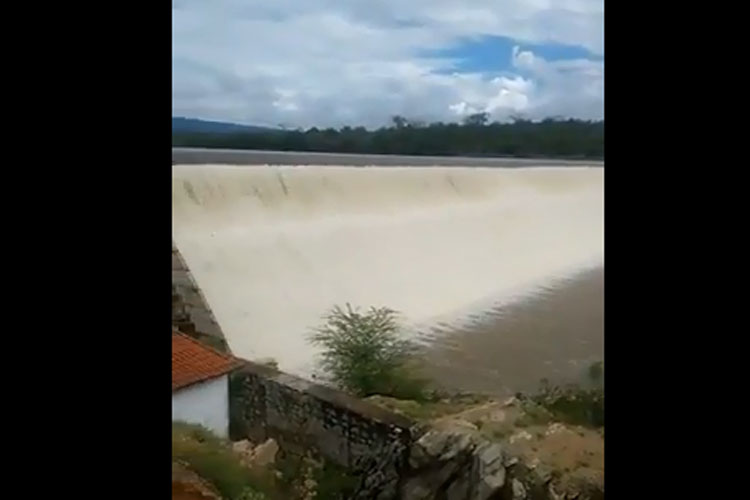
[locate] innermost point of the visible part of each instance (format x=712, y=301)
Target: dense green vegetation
x=291, y=476
x=212, y=458
x=306, y=478
x=474, y=137
x=578, y=404
x=365, y=354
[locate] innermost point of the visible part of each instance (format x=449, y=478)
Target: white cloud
x=336, y=62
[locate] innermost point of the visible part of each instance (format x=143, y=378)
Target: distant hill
x=550, y=138
x=194, y=125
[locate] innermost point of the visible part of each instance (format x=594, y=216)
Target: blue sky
x=359, y=62
x=494, y=54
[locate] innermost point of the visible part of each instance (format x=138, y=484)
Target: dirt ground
x=555, y=335
x=187, y=485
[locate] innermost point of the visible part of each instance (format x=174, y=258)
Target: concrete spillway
x=273, y=248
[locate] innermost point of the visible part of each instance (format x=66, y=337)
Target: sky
x=330, y=63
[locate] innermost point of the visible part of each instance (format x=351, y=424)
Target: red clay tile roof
x=194, y=362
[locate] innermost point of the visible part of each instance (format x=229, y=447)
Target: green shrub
x=364, y=353
x=403, y=382
x=534, y=414
x=596, y=372
x=572, y=404
x=329, y=481
x=197, y=433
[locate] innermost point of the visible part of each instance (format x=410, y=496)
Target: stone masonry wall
x=191, y=313
x=302, y=415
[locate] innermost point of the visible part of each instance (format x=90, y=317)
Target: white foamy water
x=273, y=248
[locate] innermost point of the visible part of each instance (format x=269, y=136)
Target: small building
x=200, y=384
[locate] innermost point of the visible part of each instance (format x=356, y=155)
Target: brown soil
x=574, y=453
x=187, y=485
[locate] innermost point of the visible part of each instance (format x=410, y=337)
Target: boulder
x=489, y=454
x=519, y=490
x=243, y=447
x=457, y=463
x=264, y=454
x=415, y=489
x=256, y=456
x=428, y=482
x=489, y=471
x=441, y=445
x=460, y=488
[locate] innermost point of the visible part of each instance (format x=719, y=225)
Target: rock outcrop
x=457, y=463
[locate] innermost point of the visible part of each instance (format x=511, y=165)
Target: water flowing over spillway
x=274, y=248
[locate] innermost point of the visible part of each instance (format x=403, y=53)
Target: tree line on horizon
x=475, y=136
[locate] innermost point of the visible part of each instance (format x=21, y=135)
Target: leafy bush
x=312, y=477
x=212, y=459
x=364, y=353
x=596, y=372
x=534, y=414
x=572, y=404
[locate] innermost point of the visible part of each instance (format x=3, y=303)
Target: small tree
x=399, y=121
x=477, y=119
x=365, y=354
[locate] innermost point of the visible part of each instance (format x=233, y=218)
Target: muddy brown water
x=556, y=334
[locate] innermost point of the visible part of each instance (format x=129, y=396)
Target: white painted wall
x=205, y=403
